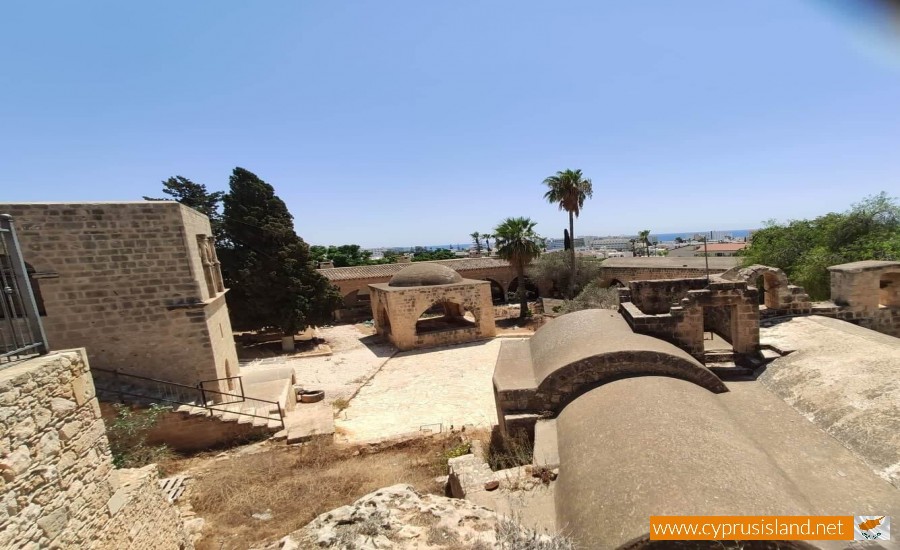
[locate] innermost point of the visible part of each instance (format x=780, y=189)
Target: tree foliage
x=195, y=195
x=345, y=255
x=569, y=189
x=267, y=266
x=421, y=254
x=592, y=296
x=804, y=249
x=518, y=244
x=554, y=269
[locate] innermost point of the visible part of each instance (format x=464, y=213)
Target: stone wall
x=728, y=308
x=610, y=274
x=657, y=296
x=126, y=281
x=58, y=485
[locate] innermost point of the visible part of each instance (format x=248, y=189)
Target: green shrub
x=127, y=434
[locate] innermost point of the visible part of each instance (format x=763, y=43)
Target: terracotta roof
x=388, y=270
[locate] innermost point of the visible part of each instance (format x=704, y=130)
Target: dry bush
x=509, y=451
x=299, y=483
x=512, y=536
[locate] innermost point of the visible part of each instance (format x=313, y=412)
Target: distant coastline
x=662, y=237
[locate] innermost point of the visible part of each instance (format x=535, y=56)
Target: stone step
x=769, y=354
x=230, y=412
x=730, y=371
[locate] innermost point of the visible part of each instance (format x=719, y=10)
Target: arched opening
x=603, y=369
x=889, y=290
x=444, y=315
x=497, y=294
x=767, y=284
x=531, y=290
x=760, y=285
x=384, y=321
x=617, y=283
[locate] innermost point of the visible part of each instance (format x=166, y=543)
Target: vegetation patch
x=127, y=433
x=298, y=483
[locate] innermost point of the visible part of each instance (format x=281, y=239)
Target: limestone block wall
x=58, y=488
x=627, y=274
x=729, y=308
x=397, y=309
x=657, y=296
x=125, y=280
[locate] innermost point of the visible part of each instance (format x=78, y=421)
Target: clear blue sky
x=403, y=123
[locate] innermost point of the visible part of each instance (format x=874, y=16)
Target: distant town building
x=720, y=249
x=620, y=243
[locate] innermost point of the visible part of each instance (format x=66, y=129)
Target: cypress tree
x=266, y=265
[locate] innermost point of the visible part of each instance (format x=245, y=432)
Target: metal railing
x=142, y=388
x=21, y=332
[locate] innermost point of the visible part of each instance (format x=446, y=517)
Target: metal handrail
x=199, y=391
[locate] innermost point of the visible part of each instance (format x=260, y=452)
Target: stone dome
x=425, y=274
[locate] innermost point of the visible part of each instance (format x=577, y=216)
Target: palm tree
x=487, y=242
x=644, y=239
x=569, y=189
x=518, y=244
x=476, y=236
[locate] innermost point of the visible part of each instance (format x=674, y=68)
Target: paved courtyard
x=394, y=393
x=355, y=358
x=425, y=390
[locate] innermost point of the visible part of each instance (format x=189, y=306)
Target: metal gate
x=21, y=332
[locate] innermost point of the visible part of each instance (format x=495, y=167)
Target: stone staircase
x=246, y=412
x=722, y=363
x=188, y=401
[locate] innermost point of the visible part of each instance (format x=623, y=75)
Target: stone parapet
x=58, y=489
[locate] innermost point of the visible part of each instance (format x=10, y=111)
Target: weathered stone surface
x=397, y=517
x=844, y=379
x=62, y=406
x=57, y=470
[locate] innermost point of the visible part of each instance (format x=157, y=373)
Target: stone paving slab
x=355, y=358
x=431, y=389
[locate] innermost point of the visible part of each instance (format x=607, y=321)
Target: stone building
x=712, y=320
x=58, y=487
x=135, y=283
x=462, y=308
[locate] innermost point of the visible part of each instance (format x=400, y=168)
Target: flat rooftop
x=715, y=262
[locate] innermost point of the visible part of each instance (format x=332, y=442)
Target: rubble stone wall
x=57, y=485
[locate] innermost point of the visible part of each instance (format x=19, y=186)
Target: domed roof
x=425, y=274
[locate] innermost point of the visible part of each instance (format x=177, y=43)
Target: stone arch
x=566, y=384
x=453, y=318
x=889, y=289
x=610, y=282
x=774, y=292
x=498, y=293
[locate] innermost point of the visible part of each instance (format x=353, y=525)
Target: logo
x=871, y=528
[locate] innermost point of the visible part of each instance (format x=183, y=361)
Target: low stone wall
x=141, y=518
x=657, y=296
x=58, y=487
x=189, y=433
